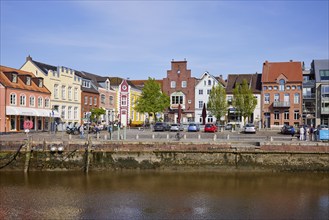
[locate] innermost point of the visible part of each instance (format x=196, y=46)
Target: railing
x=309, y=83
x=309, y=96
x=325, y=110
x=281, y=104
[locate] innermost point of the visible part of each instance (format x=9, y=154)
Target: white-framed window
x=75, y=113
x=296, y=98
x=86, y=100
x=296, y=114
x=293, y=87
x=275, y=87
x=102, y=98
x=286, y=115
x=265, y=88
x=90, y=100
x=286, y=97
x=208, y=91
x=47, y=103
x=267, y=98
x=111, y=100
x=32, y=101
x=200, y=91
x=200, y=104
x=276, y=115
x=281, y=84
x=14, y=78
x=63, y=92
x=124, y=100
x=63, y=112
x=86, y=83
x=205, y=82
x=22, y=100
x=209, y=82
x=75, y=93
x=184, y=84
x=172, y=84
x=12, y=99
x=40, y=83
x=69, y=93
x=28, y=80
x=270, y=88
x=277, y=97
x=175, y=100
x=40, y=102
x=69, y=112
x=95, y=100
x=56, y=91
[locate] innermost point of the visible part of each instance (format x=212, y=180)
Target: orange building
x=282, y=94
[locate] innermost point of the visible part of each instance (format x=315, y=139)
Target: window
x=324, y=89
x=324, y=74
x=265, y=88
x=286, y=98
x=201, y=104
x=90, y=100
x=229, y=99
x=293, y=87
x=172, y=84
x=63, y=92
x=28, y=81
x=200, y=91
x=205, y=82
x=296, y=98
x=86, y=83
x=47, y=103
x=276, y=115
x=124, y=100
x=184, y=84
x=103, y=99
x=286, y=115
x=275, y=88
x=12, y=99
x=86, y=100
x=270, y=88
x=282, y=84
x=209, y=82
x=22, y=100
x=267, y=98
x=208, y=91
x=14, y=78
x=95, y=100
x=132, y=101
x=175, y=100
x=276, y=97
x=288, y=87
x=69, y=93
x=296, y=114
x=63, y=112
x=56, y=91
x=111, y=100
x=40, y=102
x=69, y=112
x=75, y=113
x=75, y=94
x=32, y=101
x=40, y=83
x=107, y=85
x=299, y=88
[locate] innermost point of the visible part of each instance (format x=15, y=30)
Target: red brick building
x=179, y=85
x=282, y=93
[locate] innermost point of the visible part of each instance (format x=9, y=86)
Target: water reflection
x=163, y=195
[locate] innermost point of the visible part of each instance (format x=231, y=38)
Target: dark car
x=161, y=126
x=228, y=127
x=72, y=130
x=287, y=129
x=210, y=128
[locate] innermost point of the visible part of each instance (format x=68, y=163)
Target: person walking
x=292, y=131
x=82, y=131
x=301, y=133
x=311, y=133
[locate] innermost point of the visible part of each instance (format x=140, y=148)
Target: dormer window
x=40, y=83
x=107, y=85
x=28, y=81
x=14, y=80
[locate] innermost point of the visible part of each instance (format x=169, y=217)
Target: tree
x=244, y=100
x=95, y=113
x=217, y=104
x=152, y=99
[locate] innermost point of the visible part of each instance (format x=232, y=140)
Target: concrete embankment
x=113, y=155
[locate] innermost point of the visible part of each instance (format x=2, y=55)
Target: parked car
x=322, y=127
x=250, y=128
x=286, y=129
x=72, y=130
x=161, y=126
x=193, y=127
x=176, y=127
x=210, y=128
x=228, y=127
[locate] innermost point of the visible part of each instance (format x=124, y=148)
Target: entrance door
x=267, y=123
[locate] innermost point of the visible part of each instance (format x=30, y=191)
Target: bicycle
x=178, y=136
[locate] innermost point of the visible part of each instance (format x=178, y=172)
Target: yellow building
x=65, y=88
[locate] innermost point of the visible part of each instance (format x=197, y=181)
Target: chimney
x=28, y=58
x=221, y=76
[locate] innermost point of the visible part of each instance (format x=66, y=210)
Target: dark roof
x=254, y=80
x=45, y=67
x=116, y=81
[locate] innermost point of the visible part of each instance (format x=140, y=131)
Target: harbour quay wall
x=100, y=155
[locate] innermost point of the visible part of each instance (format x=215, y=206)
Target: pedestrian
x=307, y=133
x=292, y=131
x=301, y=133
x=82, y=131
x=110, y=130
x=311, y=133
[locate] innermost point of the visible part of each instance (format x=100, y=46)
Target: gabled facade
x=254, y=82
x=179, y=85
x=320, y=68
x=65, y=87
x=282, y=94
x=202, y=91
x=23, y=97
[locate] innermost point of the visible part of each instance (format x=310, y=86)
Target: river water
x=163, y=195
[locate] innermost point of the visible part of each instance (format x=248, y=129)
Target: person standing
x=292, y=131
x=301, y=133
x=311, y=133
x=82, y=131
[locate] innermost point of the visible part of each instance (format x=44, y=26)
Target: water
x=163, y=195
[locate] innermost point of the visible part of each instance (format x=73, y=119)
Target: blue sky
x=138, y=39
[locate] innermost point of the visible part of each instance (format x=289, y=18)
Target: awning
x=11, y=110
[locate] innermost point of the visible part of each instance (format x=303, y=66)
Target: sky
x=139, y=39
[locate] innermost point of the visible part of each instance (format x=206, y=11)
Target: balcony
x=325, y=111
x=281, y=104
x=309, y=96
x=309, y=84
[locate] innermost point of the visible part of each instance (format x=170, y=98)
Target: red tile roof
x=291, y=70
x=20, y=84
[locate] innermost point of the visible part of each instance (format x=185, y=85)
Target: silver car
x=249, y=128
x=176, y=127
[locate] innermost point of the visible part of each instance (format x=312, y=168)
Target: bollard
x=137, y=136
x=97, y=136
x=105, y=137
x=184, y=136
x=70, y=136
x=271, y=139
x=152, y=136
x=199, y=136
x=228, y=137
x=215, y=137
x=167, y=136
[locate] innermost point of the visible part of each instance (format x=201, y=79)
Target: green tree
x=152, y=99
x=96, y=113
x=244, y=100
x=217, y=104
